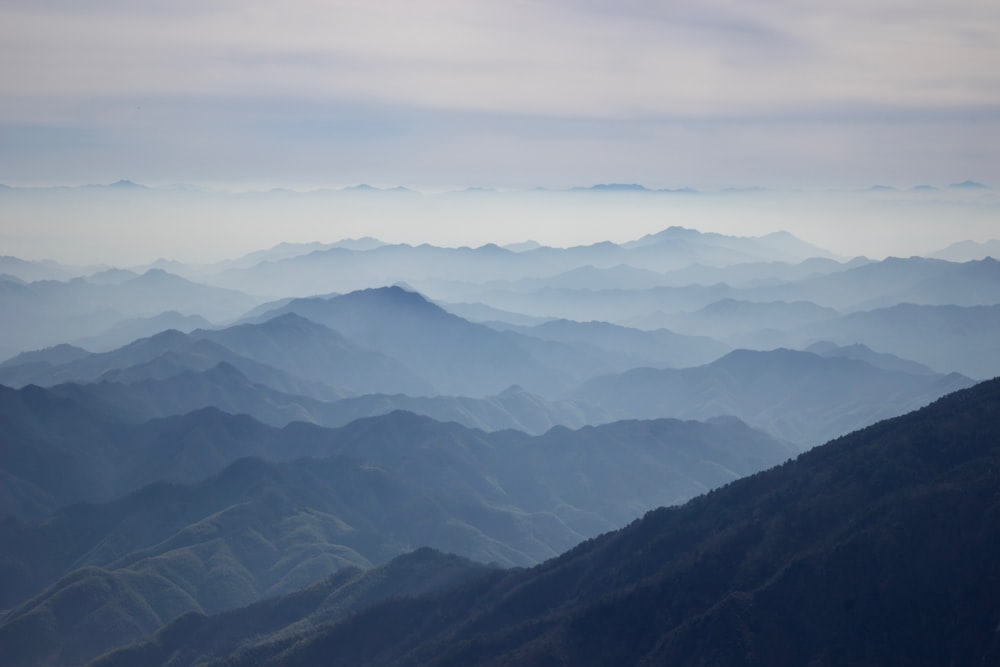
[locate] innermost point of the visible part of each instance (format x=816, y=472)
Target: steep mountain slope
x=255, y=530
x=800, y=396
x=878, y=548
x=194, y=637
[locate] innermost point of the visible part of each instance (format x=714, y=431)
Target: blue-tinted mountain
x=946, y=338
x=453, y=354
x=878, y=548
x=124, y=332
x=629, y=347
x=49, y=356
x=157, y=357
x=966, y=251
x=315, y=352
x=743, y=323
x=343, y=269
x=884, y=360
x=895, y=280
x=45, y=313
x=800, y=396
x=226, y=388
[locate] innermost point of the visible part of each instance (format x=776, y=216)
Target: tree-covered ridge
x=882, y=547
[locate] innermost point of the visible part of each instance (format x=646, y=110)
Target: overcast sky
x=514, y=93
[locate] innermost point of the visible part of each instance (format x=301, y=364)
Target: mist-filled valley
x=688, y=446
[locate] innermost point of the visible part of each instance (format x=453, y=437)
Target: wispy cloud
x=682, y=66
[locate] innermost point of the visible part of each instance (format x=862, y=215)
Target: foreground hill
x=878, y=548
x=800, y=396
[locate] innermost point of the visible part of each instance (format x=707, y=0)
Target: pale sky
x=519, y=93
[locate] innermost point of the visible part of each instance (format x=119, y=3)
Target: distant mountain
x=226, y=388
x=608, y=305
x=50, y=356
x=45, y=313
x=111, y=277
x=343, y=269
x=632, y=347
x=747, y=323
x=315, y=352
x=33, y=270
x=883, y=360
x=966, y=251
x=483, y=314
x=803, y=397
x=614, y=187
x=891, y=281
x=126, y=331
x=824, y=560
x=945, y=338
x=975, y=283
x=157, y=357
x=455, y=355
x=777, y=246
x=757, y=274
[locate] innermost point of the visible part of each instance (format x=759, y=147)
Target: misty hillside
x=800, y=396
x=455, y=355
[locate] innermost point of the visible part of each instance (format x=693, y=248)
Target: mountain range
x=823, y=560
x=683, y=448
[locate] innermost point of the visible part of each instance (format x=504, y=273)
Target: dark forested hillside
x=879, y=548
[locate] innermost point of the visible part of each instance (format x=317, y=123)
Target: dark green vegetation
x=383, y=486
x=879, y=548
x=194, y=637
